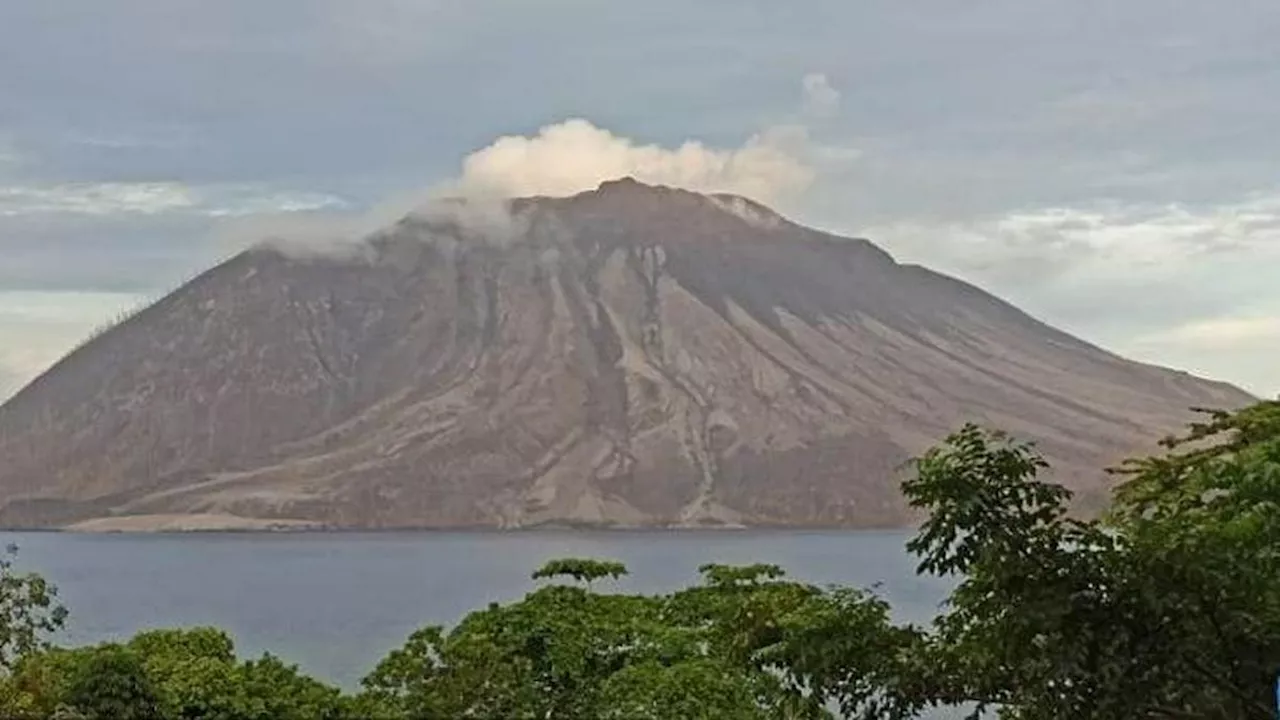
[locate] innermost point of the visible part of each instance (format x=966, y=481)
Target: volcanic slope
x=630, y=356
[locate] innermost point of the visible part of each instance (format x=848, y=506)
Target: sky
x=1112, y=168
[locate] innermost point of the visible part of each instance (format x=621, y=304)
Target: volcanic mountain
x=630, y=356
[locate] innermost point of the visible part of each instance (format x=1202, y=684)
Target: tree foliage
x=29, y=611
x=580, y=569
x=719, y=649
x=1167, y=608
x=166, y=675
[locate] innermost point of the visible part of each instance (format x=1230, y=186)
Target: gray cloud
x=1187, y=285
x=37, y=328
x=8, y=156
x=155, y=198
x=821, y=100
x=10, y=382
x=396, y=86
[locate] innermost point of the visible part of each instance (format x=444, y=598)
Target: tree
x=29, y=612
x=1169, y=608
x=110, y=683
x=744, y=643
x=544, y=656
x=1202, y=525
x=582, y=570
x=807, y=649
x=704, y=689
x=169, y=675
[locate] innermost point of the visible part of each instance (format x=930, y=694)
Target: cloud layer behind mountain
x=1110, y=167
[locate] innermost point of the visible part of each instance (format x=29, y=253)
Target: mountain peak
x=632, y=355
x=628, y=190
x=626, y=183
x=628, y=200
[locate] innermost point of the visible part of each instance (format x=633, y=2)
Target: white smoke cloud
x=474, y=218
x=574, y=156
x=772, y=166
x=298, y=234
x=474, y=215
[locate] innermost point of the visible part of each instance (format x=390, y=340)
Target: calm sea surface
x=337, y=603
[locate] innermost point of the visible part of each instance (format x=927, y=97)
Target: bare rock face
x=633, y=356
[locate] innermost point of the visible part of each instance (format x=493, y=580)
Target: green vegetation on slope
x=1168, y=607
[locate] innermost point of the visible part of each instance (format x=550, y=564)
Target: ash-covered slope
x=633, y=355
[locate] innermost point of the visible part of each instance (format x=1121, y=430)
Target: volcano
x=632, y=356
